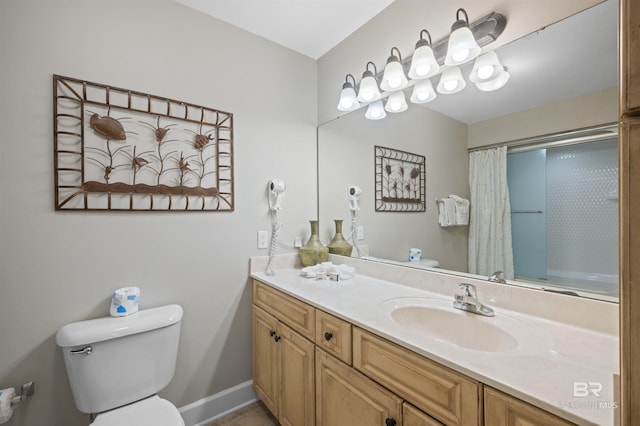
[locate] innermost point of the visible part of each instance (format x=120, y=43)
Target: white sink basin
x=438, y=320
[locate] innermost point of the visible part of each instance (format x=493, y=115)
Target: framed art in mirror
x=400, y=181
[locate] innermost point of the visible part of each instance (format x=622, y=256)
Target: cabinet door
x=448, y=396
x=411, y=416
x=629, y=140
x=503, y=410
x=265, y=359
x=345, y=397
x=297, y=377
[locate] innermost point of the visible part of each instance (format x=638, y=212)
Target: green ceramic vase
x=314, y=251
x=339, y=244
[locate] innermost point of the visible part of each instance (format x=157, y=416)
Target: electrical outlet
x=263, y=239
x=297, y=242
x=360, y=233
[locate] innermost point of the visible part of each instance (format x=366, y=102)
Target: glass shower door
x=526, y=174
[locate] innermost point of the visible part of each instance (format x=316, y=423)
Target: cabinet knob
x=390, y=421
x=272, y=333
x=328, y=335
x=277, y=338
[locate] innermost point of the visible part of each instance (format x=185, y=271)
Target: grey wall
x=60, y=267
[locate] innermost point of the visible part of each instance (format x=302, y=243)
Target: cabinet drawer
x=334, y=336
x=449, y=397
x=504, y=410
x=296, y=314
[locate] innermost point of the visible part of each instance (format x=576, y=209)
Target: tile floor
x=252, y=415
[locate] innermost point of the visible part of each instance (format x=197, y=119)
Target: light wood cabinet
x=629, y=66
x=283, y=370
x=312, y=368
x=448, y=396
x=345, y=397
x=504, y=410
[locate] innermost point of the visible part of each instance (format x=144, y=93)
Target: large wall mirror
x=576, y=251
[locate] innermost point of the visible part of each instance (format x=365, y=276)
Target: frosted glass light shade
x=496, y=83
x=375, y=111
x=462, y=47
x=451, y=81
x=486, y=68
x=396, y=102
x=423, y=63
x=393, y=78
x=369, y=91
x=423, y=92
x=348, y=99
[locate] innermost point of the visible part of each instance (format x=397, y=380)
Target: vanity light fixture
x=423, y=62
x=488, y=73
x=451, y=81
x=496, y=83
x=396, y=102
x=393, y=77
x=423, y=92
x=486, y=67
x=462, y=46
x=375, y=111
x=369, y=91
x=348, y=99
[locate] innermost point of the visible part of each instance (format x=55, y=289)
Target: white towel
x=447, y=212
x=462, y=209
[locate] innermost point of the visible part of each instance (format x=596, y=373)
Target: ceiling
x=575, y=56
x=310, y=27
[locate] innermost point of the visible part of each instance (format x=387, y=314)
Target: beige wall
x=60, y=267
x=583, y=111
x=346, y=157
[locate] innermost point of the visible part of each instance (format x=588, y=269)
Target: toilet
x=116, y=365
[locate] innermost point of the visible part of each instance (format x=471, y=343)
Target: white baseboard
x=206, y=410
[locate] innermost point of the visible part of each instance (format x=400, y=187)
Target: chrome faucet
x=468, y=301
x=495, y=277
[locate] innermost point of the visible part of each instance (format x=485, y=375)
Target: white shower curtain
x=490, y=248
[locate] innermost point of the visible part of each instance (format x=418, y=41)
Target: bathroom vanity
x=372, y=351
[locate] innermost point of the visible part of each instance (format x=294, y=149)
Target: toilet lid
x=153, y=411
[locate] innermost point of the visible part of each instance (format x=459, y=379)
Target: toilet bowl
x=116, y=366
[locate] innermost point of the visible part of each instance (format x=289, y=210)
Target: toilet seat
x=153, y=411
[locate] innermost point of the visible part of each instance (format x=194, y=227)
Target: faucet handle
x=469, y=289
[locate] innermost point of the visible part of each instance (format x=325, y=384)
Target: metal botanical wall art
x=117, y=149
x=400, y=181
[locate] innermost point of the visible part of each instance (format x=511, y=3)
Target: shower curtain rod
x=605, y=131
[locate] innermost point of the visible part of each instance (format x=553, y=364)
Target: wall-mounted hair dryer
x=276, y=189
x=353, y=192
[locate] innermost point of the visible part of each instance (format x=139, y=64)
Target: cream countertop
x=549, y=358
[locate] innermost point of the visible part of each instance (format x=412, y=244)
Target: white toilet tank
x=114, y=361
